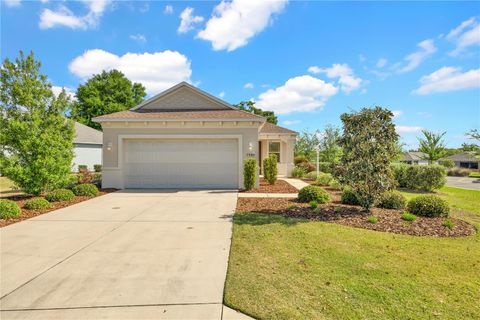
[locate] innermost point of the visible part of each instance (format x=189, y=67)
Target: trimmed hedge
x=97, y=167
x=349, y=197
x=37, y=203
x=447, y=163
x=270, y=170
x=459, y=172
x=86, y=189
x=60, y=195
x=392, y=200
x=249, y=173
x=429, y=206
x=313, y=193
x=9, y=209
x=82, y=167
x=323, y=179
x=417, y=177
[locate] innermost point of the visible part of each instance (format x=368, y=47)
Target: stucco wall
x=88, y=154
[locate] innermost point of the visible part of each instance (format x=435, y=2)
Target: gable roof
x=413, y=156
x=274, y=129
x=87, y=135
x=463, y=156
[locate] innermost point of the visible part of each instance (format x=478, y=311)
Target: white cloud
x=138, y=38
x=314, y=69
x=291, y=122
x=465, y=35
x=449, y=79
x=63, y=16
x=69, y=91
x=168, y=9
x=221, y=94
x=346, y=77
x=12, y=3
x=413, y=60
x=397, y=113
x=233, y=23
x=302, y=93
x=381, y=62
x=408, y=129
x=188, y=20
x=157, y=71
x=248, y=85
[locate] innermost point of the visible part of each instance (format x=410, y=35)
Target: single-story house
x=87, y=147
x=464, y=160
x=414, y=157
x=187, y=138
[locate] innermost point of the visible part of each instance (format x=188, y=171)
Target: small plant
x=85, y=190
x=338, y=209
x=323, y=179
x=407, y=216
x=372, y=219
x=9, y=209
x=97, y=167
x=82, y=167
x=270, y=169
x=348, y=197
x=317, y=210
x=60, y=195
x=448, y=223
x=429, y=206
x=313, y=193
x=37, y=203
x=335, y=184
x=298, y=172
x=291, y=207
x=249, y=173
x=311, y=175
x=392, y=200
x=313, y=204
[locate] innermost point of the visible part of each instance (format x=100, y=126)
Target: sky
x=307, y=61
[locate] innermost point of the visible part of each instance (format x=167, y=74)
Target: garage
x=181, y=163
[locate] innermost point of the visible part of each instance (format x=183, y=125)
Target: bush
x=299, y=159
x=249, y=173
x=474, y=174
x=298, y=172
x=82, y=167
x=9, y=209
x=313, y=204
x=447, y=163
x=400, y=173
x=448, y=224
x=324, y=179
x=349, y=197
x=97, y=167
x=425, y=178
x=335, y=184
x=392, y=200
x=325, y=167
x=60, y=195
x=372, y=219
x=270, y=170
x=459, y=172
x=313, y=193
x=407, y=216
x=86, y=189
x=429, y=206
x=311, y=175
x=37, y=203
x=307, y=166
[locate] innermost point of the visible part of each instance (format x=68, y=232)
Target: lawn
x=283, y=268
x=7, y=188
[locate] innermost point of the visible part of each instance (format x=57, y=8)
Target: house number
x=251, y=154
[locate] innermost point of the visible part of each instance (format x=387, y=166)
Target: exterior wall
x=287, y=144
x=183, y=98
x=88, y=154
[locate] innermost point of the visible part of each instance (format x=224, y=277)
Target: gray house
x=466, y=160
x=87, y=147
x=414, y=157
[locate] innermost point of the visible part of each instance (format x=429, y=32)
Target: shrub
x=447, y=163
x=407, y=216
x=392, y=200
x=349, y=197
x=298, y=172
x=9, y=209
x=291, y=207
x=429, y=206
x=325, y=167
x=372, y=219
x=400, y=173
x=85, y=176
x=324, y=179
x=82, y=167
x=425, y=178
x=458, y=172
x=311, y=175
x=270, y=170
x=249, y=173
x=299, y=159
x=335, y=184
x=448, y=223
x=313, y=204
x=37, y=203
x=307, y=166
x=86, y=189
x=60, y=195
x=97, y=167
x=474, y=175
x=313, y=193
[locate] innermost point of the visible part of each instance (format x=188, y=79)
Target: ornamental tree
x=432, y=145
x=369, y=145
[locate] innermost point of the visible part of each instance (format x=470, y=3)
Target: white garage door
x=181, y=163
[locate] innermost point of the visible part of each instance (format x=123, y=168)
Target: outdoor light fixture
x=109, y=146
x=250, y=146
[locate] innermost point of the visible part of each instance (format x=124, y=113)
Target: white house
x=87, y=147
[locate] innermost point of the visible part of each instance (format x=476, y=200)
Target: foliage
x=37, y=203
x=335, y=184
x=323, y=179
x=429, y=205
x=36, y=140
x=313, y=193
x=104, y=93
x=425, y=178
x=306, y=144
x=400, y=173
x=369, y=144
x=349, y=197
x=86, y=189
x=311, y=175
x=313, y=204
x=325, y=167
x=249, y=173
x=270, y=170
x=432, y=145
x=82, y=167
x=97, y=167
x=9, y=209
x=330, y=150
x=392, y=200
x=447, y=163
x=60, y=195
x=86, y=176
x=298, y=172
x=474, y=174
x=448, y=223
x=459, y=172
x=407, y=216
x=249, y=106
x=299, y=159
x=372, y=219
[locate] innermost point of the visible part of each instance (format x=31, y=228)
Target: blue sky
x=308, y=61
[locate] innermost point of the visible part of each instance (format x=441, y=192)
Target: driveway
x=129, y=254
x=464, y=182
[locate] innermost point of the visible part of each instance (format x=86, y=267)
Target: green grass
x=474, y=175
x=7, y=188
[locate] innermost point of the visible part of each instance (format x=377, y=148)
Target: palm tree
x=432, y=145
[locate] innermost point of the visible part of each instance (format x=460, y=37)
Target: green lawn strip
x=283, y=268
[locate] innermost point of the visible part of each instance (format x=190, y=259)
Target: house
x=414, y=157
x=87, y=147
x=187, y=138
x=464, y=160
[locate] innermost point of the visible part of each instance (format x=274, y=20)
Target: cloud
x=221, y=94
x=302, y=93
x=188, y=20
x=157, y=71
x=168, y=9
x=233, y=23
x=291, y=122
x=12, y=3
x=408, y=129
x=138, y=38
x=413, y=60
x=314, y=69
x=362, y=58
x=381, y=62
x=449, y=79
x=397, y=113
x=465, y=35
x=248, y=85
x=69, y=91
x=346, y=77
x=65, y=17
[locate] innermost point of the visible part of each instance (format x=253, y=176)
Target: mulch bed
x=280, y=186
x=27, y=214
x=354, y=216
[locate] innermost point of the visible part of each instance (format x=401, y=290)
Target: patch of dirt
x=354, y=216
x=27, y=214
x=280, y=186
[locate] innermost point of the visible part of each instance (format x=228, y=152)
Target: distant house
x=414, y=157
x=87, y=147
x=464, y=160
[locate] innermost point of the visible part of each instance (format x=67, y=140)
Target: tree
x=104, y=93
x=474, y=134
x=249, y=106
x=329, y=146
x=35, y=137
x=306, y=144
x=369, y=143
x=432, y=145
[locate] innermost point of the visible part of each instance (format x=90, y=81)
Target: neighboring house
x=464, y=160
x=414, y=157
x=187, y=138
x=87, y=147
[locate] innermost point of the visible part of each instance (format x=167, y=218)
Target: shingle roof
x=413, y=156
x=463, y=156
x=85, y=134
x=141, y=114
x=271, y=128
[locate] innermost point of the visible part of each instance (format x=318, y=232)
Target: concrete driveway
x=126, y=255
x=464, y=182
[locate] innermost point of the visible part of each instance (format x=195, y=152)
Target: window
x=274, y=148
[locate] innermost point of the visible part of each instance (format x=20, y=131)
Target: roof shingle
x=271, y=128
x=179, y=115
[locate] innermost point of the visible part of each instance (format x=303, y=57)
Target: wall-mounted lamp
x=109, y=146
x=250, y=146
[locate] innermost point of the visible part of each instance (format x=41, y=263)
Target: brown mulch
x=354, y=216
x=27, y=214
x=280, y=186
